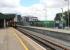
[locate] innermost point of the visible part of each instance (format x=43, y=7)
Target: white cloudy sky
x=51, y=6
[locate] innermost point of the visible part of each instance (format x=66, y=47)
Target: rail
x=59, y=39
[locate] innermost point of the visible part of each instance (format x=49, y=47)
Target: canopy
x=7, y=16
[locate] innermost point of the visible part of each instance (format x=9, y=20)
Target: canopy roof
x=7, y=16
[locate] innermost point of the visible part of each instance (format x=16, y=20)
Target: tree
x=65, y=17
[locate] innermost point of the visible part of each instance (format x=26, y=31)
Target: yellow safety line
x=26, y=48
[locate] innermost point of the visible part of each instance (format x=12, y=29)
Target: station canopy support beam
x=4, y=23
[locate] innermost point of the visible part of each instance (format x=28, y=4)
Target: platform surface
x=10, y=40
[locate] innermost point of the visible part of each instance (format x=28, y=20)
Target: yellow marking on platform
x=20, y=40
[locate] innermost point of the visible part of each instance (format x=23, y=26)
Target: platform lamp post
x=62, y=19
x=45, y=9
x=68, y=11
x=45, y=12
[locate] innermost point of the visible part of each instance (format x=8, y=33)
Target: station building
x=6, y=19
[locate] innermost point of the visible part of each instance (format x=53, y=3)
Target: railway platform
x=12, y=39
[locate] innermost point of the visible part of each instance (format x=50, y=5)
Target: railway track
x=39, y=38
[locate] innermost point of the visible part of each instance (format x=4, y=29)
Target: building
x=30, y=18
x=18, y=18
